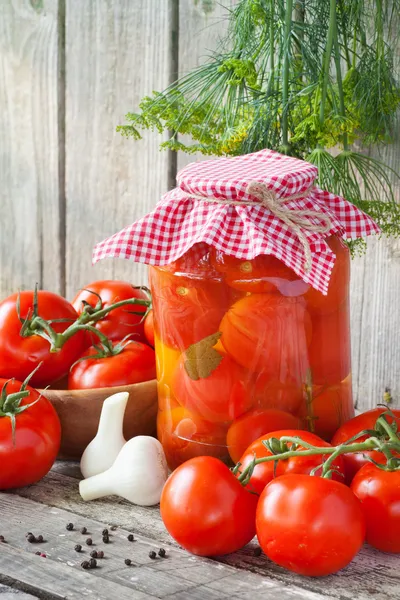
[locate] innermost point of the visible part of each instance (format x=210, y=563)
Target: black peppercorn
x=85, y=564
x=105, y=532
x=100, y=554
x=39, y=539
x=29, y=533
x=106, y=539
x=93, y=554
x=89, y=542
x=83, y=530
x=162, y=552
x=93, y=563
x=38, y=553
x=78, y=548
x=257, y=551
x=128, y=561
x=113, y=527
x=2, y=539
x=152, y=554
x=130, y=537
x=69, y=526
x=31, y=538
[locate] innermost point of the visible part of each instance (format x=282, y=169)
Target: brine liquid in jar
x=245, y=347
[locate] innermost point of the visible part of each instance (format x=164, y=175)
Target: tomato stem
x=280, y=450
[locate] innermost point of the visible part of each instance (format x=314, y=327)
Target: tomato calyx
x=34, y=324
x=384, y=437
x=201, y=358
x=10, y=404
x=105, y=347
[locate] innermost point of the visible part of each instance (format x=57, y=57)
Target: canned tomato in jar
x=249, y=274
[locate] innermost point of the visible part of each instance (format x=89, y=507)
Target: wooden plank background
x=69, y=71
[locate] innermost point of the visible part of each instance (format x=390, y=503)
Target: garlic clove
x=102, y=451
x=138, y=474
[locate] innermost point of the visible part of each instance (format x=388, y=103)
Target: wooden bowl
x=79, y=412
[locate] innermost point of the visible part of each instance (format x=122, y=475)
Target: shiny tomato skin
x=222, y=396
x=136, y=363
x=310, y=525
x=19, y=356
x=149, y=328
x=253, y=424
x=37, y=440
x=366, y=420
x=120, y=322
x=264, y=472
x=205, y=508
x=268, y=333
x=379, y=494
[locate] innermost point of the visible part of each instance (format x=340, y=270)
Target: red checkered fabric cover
x=179, y=221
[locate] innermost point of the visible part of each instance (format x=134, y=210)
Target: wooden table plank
x=371, y=572
x=178, y=576
x=9, y=593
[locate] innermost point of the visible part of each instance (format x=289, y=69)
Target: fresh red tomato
x=268, y=333
x=19, y=356
x=310, y=525
x=136, y=363
x=186, y=308
x=338, y=289
x=31, y=454
x=118, y=323
x=367, y=420
x=264, y=472
x=205, y=508
x=255, y=423
x=379, y=494
x=211, y=384
x=329, y=408
x=263, y=274
x=185, y=435
x=329, y=351
x=149, y=328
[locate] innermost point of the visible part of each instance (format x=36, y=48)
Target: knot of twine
x=296, y=220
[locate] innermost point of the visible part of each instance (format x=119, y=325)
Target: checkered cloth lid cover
x=247, y=228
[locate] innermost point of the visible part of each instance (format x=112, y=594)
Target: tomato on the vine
x=19, y=355
x=265, y=472
x=29, y=454
x=133, y=362
x=211, y=384
x=379, y=494
x=118, y=323
x=268, y=333
x=253, y=424
x=205, y=508
x=310, y=525
x=365, y=421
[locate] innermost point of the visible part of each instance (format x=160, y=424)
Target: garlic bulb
x=105, y=447
x=138, y=474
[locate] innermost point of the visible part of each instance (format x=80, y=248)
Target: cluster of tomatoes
x=245, y=344
x=46, y=340
x=305, y=522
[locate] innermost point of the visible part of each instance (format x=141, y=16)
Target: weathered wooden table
x=47, y=507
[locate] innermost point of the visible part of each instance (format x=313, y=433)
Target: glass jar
x=245, y=347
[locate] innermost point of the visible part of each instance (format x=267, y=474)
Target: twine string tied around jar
x=296, y=220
